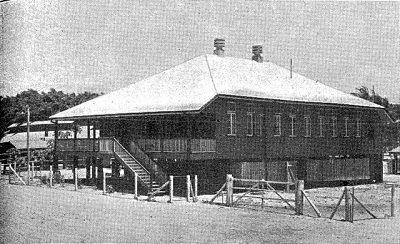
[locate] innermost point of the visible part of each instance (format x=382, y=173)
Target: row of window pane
x=254, y=124
x=307, y=126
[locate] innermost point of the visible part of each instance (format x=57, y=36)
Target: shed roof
x=190, y=86
x=395, y=150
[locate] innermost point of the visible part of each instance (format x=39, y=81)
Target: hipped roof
x=190, y=86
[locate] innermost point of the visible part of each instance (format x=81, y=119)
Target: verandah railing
x=105, y=144
x=177, y=145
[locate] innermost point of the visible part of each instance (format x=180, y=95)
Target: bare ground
x=31, y=214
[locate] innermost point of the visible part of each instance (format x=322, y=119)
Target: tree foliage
x=42, y=105
x=364, y=93
x=391, y=137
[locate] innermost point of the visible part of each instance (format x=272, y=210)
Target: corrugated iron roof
x=36, y=140
x=193, y=84
x=396, y=150
x=34, y=123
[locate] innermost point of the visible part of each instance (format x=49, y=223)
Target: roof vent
x=219, y=45
x=257, y=50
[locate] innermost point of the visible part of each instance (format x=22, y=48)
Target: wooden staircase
x=149, y=174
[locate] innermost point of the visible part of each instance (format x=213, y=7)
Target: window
x=250, y=120
x=358, y=128
x=293, y=125
x=334, y=127
x=346, y=126
x=231, y=118
x=307, y=122
x=277, y=125
x=321, y=126
x=259, y=124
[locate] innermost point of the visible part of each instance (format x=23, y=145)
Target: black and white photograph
x=263, y=121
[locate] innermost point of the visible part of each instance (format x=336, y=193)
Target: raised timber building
x=214, y=115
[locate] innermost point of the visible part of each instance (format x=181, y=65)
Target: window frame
x=358, y=128
x=334, y=126
x=260, y=124
x=250, y=116
x=292, y=125
x=232, y=119
x=346, y=126
x=277, y=125
x=307, y=125
x=321, y=125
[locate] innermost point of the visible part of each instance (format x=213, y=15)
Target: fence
x=357, y=200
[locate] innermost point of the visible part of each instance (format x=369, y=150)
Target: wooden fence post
x=347, y=204
x=299, y=198
x=29, y=173
x=9, y=175
x=171, y=188
x=195, y=188
x=287, y=177
x=104, y=182
x=136, y=186
x=188, y=188
x=229, y=190
x=392, y=204
x=51, y=176
x=76, y=178
x=352, y=205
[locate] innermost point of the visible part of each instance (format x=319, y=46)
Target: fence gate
x=256, y=193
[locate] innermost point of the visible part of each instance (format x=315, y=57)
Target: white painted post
x=33, y=169
x=287, y=177
x=392, y=205
x=171, y=188
x=195, y=188
x=188, y=188
x=347, y=207
x=51, y=176
x=96, y=172
x=299, y=198
x=136, y=186
x=229, y=190
x=91, y=172
x=104, y=182
x=76, y=179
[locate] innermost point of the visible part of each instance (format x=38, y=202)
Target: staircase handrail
x=160, y=175
x=127, y=152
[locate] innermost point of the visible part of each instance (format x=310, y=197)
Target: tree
x=364, y=93
x=391, y=137
x=42, y=105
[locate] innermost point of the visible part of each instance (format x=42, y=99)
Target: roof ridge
x=212, y=78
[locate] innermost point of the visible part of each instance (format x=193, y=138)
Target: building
x=214, y=115
x=394, y=166
x=41, y=134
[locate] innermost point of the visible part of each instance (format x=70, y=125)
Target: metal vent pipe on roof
x=257, y=50
x=219, y=45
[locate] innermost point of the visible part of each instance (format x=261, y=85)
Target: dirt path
x=39, y=214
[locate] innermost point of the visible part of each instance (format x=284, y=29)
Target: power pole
x=27, y=141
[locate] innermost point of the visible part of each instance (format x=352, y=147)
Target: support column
x=189, y=138
x=75, y=129
x=93, y=160
x=55, y=156
x=88, y=159
x=87, y=164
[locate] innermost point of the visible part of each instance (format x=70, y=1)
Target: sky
x=104, y=45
